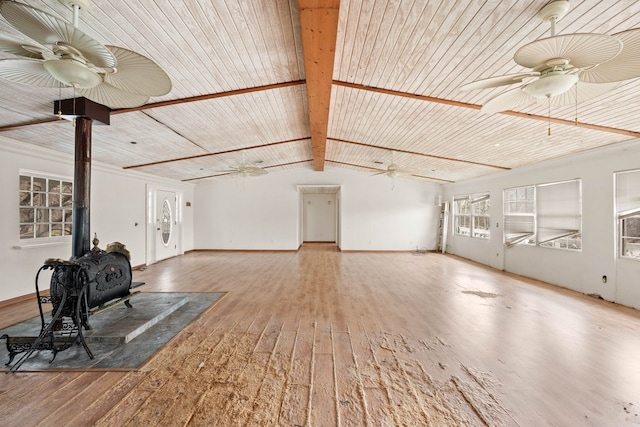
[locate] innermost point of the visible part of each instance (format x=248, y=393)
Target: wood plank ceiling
x=330, y=84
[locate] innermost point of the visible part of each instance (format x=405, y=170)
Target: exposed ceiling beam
x=415, y=153
x=217, y=153
x=207, y=96
x=15, y=126
x=319, y=28
x=55, y=118
x=477, y=107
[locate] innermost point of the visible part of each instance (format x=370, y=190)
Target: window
x=628, y=213
x=45, y=206
x=547, y=215
x=519, y=215
x=471, y=215
x=166, y=221
x=461, y=216
x=559, y=215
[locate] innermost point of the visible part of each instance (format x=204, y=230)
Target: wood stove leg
x=82, y=302
x=43, y=334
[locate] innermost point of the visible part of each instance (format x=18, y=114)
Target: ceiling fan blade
x=27, y=72
x=507, y=101
x=137, y=74
x=586, y=91
x=15, y=47
x=113, y=97
x=48, y=30
x=581, y=50
x=497, y=81
x=624, y=66
x=255, y=171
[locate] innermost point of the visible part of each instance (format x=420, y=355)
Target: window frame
x=465, y=215
x=522, y=210
x=527, y=213
x=627, y=209
x=624, y=237
x=476, y=199
x=44, y=203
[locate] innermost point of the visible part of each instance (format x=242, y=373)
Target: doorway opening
x=319, y=214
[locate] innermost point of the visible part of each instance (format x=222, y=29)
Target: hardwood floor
x=319, y=337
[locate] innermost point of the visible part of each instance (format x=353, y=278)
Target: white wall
x=580, y=271
x=118, y=202
x=264, y=212
x=319, y=217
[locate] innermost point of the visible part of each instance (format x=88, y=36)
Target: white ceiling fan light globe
x=72, y=73
x=553, y=84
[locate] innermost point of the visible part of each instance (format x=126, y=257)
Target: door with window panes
x=166, y=241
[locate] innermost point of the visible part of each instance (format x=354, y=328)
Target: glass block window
x=45, y=205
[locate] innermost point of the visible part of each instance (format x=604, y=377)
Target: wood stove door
x=166, y=236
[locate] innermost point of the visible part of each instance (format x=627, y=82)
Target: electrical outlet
x=604, y=279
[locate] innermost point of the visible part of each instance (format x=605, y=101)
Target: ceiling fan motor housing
x=72, y=73
x=552, y=84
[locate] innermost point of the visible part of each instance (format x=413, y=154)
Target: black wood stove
x=79, y=287
x=92, y=279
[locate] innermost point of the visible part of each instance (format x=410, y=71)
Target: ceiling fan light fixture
x=72, y=73
x=551, y=84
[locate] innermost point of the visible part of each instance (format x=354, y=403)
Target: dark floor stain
x=482, y=294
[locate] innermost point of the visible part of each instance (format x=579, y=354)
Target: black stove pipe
x=81, y=233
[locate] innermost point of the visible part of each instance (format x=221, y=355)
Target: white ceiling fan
x=61, y=55
x=565, y=69
x=245, y=169
x=393, y=170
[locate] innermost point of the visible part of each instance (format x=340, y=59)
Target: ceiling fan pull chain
x=60, y=101
x=577, y=103
x=74, y=106
x=549, y=128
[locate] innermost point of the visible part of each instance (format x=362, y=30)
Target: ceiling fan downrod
x=553, y=12
x=76, y=6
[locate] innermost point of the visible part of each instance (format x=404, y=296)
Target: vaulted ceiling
x=330, y=84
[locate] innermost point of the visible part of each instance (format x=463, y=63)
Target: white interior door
x=165, y=225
